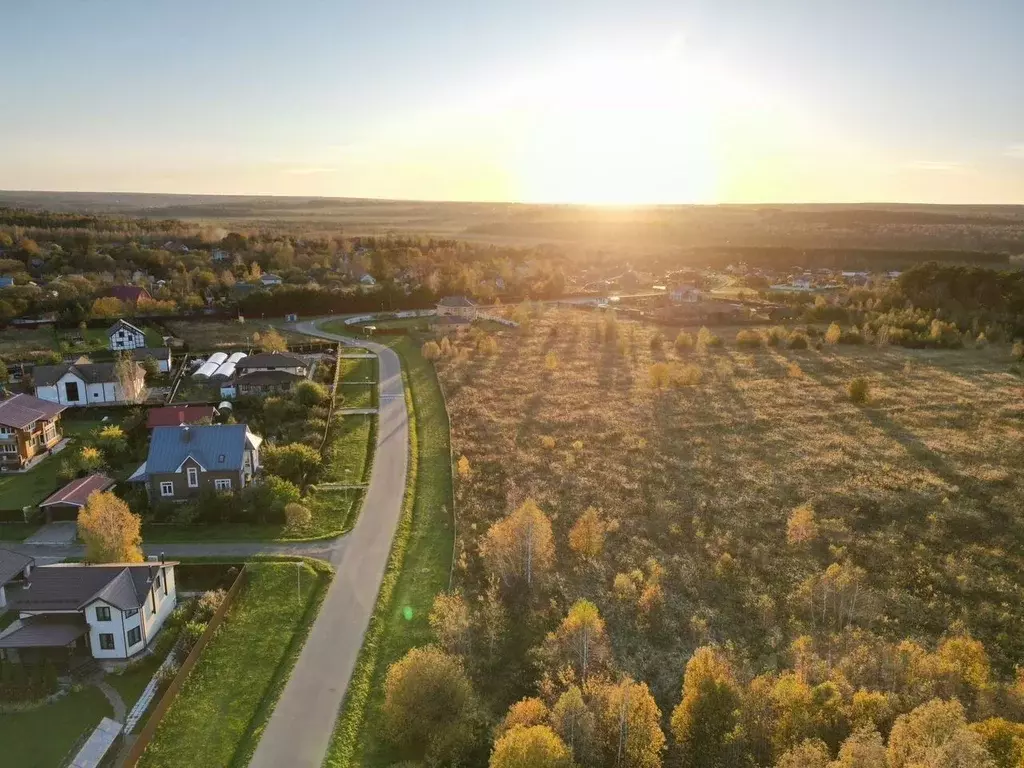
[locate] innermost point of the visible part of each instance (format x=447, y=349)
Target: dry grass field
x=920, y=486
x=213, y=334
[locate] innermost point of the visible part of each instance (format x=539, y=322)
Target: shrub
x=659, y=375
x=858, y=390
x=748, y=340
x=833, y=334
x=190, y=634
x=683, y=342
x=797, y=340
x=208, y=604
x=430, y=350
x=547, y=442
x=777, y=336
x=551, y=361
x=707, y=340
x=1018, y=350
x=166, y=674
x=657, y=342
x=297, y=517
x=685, y=375
x=795, y=371
x=981, y=342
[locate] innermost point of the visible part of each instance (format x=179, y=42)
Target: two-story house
x=29, y=427
x=106, y=611
x=458, y=306
x=123, y=335
x=81, y=383
x=184, y=460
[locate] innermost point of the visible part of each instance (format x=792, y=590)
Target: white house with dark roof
x=273, y=361
x=14, y=568
x=456, y=306
x=108, y=611
x=85, y=384
x=123, y=335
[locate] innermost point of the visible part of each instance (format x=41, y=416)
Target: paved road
x=300, y=728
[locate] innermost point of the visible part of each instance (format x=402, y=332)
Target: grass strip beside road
x=227, y=699
x=417, y=569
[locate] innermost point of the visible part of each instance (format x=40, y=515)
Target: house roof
x=11, y=564
x=456, y=301
x=77, y=492
x=21, y=411
x=53, y=631
x=129, y=293
x=91, y=373
x=271, y=360
x=157, y=353
x=262, y=378
x=215, y=447
x=123, y=324
x=176, y=415
x=71, y=587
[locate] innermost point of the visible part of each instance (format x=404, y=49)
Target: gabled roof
x=21, y=411
x=157, y=353
x=216, y=447
x=72, y=587
x=77, y=492
x=11, y=564
x=123, y=324
x=456, y=301
x=262, y=378
x=176, y=415
x=271, y=360
x=91, y=373
x=129, y=293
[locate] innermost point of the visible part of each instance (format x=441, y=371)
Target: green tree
x=5, y=376
x=295, y=462
x=309, y=394
x=535, y=747
x=704, y=719
x=427, y=704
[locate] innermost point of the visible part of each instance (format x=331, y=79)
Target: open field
x=400, y=623
x=43, y=737
x=227, y=698
x=920, y=487
x=215, y=334
x=27, y=343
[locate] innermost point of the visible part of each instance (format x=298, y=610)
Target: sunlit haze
x=593, y=102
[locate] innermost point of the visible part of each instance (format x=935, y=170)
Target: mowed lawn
x=424, y=573
x=26, y=489
x=920, y=486
x=44, y=737
x=226, y=700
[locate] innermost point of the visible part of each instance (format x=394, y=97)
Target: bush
x=833, y=334
x=859, y=390
x=190, y=634
x=547, y=442
x=685, y=375
x=777, y=336
x=748, y=340
x=166, y=674
x=797, y=340
x=297, y=516
x=1018, y=350
x=707, y=340
x=657, y=342
x=683, y=342
x=208, y=604
x=267, y=499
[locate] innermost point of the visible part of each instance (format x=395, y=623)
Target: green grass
x=17, y=531
x=417, y=571
x=133, y=682
x=228, y=697
x=43, y=737
x=26, y=489
x=352, y=450
x=358, y=386
x=333, y=514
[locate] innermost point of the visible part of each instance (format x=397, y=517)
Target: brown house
x=29, y=427
x=185, y=460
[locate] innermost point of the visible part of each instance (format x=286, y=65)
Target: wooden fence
x=146, y=735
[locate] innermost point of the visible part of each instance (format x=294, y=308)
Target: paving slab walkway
x=59, y=534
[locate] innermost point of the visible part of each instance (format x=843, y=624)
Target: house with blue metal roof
x=185, y=460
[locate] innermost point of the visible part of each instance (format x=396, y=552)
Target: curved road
x=300, y=728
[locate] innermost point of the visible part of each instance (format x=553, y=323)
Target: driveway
x=300, y=728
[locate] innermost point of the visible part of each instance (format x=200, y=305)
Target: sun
x=619, y=130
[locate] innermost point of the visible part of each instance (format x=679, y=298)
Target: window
x=166, y=489
x=128, y=614
x=102, y=613
x=157, y=582
x=6, y=430
x=71, y=390
x=106, y=642
x=134, y=636
x=222, y=484
x=193, y=477
x=8, y=448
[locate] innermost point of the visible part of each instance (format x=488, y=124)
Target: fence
x=149, y=730
x=451, y=469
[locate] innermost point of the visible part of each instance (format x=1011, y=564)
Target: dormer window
x=193, y=477
x=220, y=459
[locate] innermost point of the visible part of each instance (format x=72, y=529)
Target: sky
x=630, y=102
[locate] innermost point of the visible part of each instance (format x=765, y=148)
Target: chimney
x=186, y=435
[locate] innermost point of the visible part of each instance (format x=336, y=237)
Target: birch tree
x=520, y=547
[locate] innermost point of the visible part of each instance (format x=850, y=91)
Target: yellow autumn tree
x=579, y=643
x=525, y=713
x=110, y=530
x=802, y=525
x=465, y=470
x=109, y=307
x=272, y=341
x=535, y=747
x=586, y=537
x=519, y=547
